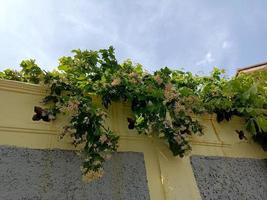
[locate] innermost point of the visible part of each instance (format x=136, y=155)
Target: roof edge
x=252, y=66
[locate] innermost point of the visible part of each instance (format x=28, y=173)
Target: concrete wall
x=55, y=175
x=168, y=177
x=230, y=178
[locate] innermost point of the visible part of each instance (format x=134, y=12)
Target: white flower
x=73, y=130
x=92, y=175
x=184, y=147
x=108, y=156
x=103, y=139
x=97, y=162
x=51, y=116
x=150, y=103
x=77, y=140
x=183, y=128
x=44, y=113
x=161, y=135
x=84, y=136
x=86, y=120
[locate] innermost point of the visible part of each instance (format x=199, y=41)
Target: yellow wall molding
x=21, y=87
x=4, y=129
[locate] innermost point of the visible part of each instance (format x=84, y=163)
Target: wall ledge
x=22, y=87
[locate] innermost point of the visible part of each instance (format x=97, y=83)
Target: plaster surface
x=28, y=174
x=223, y=178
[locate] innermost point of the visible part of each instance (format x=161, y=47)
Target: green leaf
x=139, y=69
x=250, y=126
x=262, y=123
x=63, y=67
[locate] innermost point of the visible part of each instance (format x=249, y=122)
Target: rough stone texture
x=27, y=174
x=230, y=178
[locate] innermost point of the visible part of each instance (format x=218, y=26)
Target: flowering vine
x=162, y=103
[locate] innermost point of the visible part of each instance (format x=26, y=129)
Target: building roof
x=252, y=68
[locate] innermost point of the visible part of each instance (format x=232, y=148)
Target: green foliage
x=31, y=72
x=11, y=75
x=162, y=103
x=244, y=95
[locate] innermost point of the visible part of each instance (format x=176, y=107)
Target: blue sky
x=193, y=35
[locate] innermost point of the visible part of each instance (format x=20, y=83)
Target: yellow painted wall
x=168, y=177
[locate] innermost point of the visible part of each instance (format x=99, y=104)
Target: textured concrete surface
x=27, y=174
x=223, y=178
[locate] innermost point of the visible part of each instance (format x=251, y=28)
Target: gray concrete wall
x=27, y=174
x=221, y=178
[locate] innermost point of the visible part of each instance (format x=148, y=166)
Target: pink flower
x=133, y=75
x=158, y=79
x=134, y=81
x=103, y=139
x=168, y=87
x=116, y=82
x=73, y=105
x=178, y=107
x=178, y=139
x=169, y=92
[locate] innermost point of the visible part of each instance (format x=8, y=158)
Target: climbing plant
x=162, y=102
x=244, y=95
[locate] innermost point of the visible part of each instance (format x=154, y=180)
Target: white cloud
x=207, y=60
x=154, y=34
x=226, y=45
